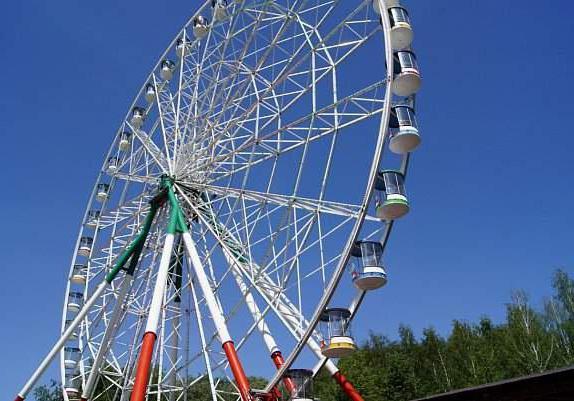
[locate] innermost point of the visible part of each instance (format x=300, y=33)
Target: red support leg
x=347, y=387
x=279, y=361
x=18, y=398
x=237, y=370
x=144, y=362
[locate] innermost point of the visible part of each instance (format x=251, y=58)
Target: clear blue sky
x=491, y=188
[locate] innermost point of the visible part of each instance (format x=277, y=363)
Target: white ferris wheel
x=243, y=208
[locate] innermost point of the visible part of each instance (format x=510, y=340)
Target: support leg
x=219, y=320
x=104, y=346
x=144, y=361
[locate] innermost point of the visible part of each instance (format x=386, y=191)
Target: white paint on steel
x=160, y=284
x=214, y=310
x=62, y=340
x=252, y=306
x=175, y=325
x=108, y=336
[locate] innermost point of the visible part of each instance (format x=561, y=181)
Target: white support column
x=214, y=310
x=293, y=318
x=139, y=391
x=62, y=341
x=252, y=306
x=108, y=335
x=174, y=348
x=160, y=284
x=204, y=346
x=289, y=314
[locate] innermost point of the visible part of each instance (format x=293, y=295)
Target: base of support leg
x=347, y=387
x=143, y=370
x=278, y=360
x=237, y=370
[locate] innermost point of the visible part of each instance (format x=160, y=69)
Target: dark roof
x=556, y=385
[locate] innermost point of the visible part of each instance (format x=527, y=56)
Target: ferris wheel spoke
x=222, y=40
x=284, y=252
x=105, y=349
x=292, y=136
x=151, y=148
x=226, y=82
x=287, y=312
x=286, y=201
x=282, y=37
x=163, y=119
x=204, y=346
x=226, y=240
x=258, y=16
x=296, y=70
x=231, y=90
x=287, y=316
x=271, y=305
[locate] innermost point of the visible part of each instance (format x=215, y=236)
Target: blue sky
x=490, y=187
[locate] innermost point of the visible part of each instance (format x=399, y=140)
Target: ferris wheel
x=243, y=209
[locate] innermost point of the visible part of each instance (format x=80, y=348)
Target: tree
x=49, y=392
x=532, y=348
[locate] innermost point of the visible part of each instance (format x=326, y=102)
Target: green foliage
x=49, y=392
x=528, y=342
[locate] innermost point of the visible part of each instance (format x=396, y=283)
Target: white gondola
x=92, y=219
x=369, y=273
x=219, y=9
x=407, y=78
x=302, y=380
x=125, y=141
x=85, y=246
x=167, y=68
x=71, y=357
x=112, y=165
x=150, y=93
x=405, y=136
x=72, y=385
x=336, y=330
x=394, y=204
x=79, y=273
x=75, y=301
x=182, y=47
x=102, y=192
x=138, y=116
x=389, y=4
x=200, y=26
x=401, y=30
x=74, y=334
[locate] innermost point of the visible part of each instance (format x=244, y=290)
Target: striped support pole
x=219, y=320
x=112, y=274
x=347, y=387
x=177, y=271
x=290, y=315
x=144, y=361
x=232, y=251
x=258, y=317
x=88, y=389
x=214, y=309
x=112, y=327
